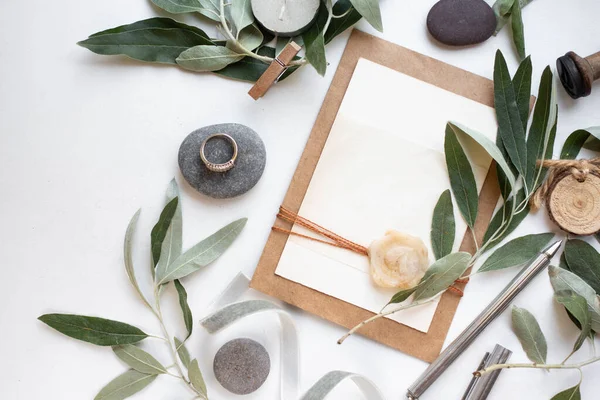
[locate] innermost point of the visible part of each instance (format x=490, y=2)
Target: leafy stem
x=496, y=367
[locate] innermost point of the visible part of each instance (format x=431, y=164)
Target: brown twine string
x=578, y=168
x=336, y=240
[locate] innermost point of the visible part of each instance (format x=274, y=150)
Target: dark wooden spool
x=577, y=73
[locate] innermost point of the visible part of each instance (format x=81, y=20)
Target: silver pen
x=496, y=307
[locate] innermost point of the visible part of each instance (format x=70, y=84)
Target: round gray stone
x=242, y=366
x=249, y=165
x=461, y=22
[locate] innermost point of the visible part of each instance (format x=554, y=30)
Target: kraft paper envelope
x=374, y=161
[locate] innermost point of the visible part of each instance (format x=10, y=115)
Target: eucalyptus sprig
x=245, y=53
x=516, y=154
x=169, y=264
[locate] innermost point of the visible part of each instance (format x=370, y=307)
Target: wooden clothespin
x=275, y=70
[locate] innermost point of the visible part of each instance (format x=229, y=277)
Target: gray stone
x=242, y=366
x=248, y=168
x=461, y=22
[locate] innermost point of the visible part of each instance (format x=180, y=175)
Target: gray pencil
x=496, y=307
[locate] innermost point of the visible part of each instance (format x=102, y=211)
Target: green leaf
x=462, y=132
x=125, y=385
x=510, y=126
x=584, y=261
x=207, y=58
x=250, y=38
x=241, y=14
x=250, y=69
x=370, y=10
x=578, y=139
x=502, y=19
x=153, y=40
x=563, y=280
x=522, y=85
x=202, y=253
x=128, y=256
x=502, y=215
x=179, y=6
x=139, y=360
x=405, y=294
x=503, y=182
x=544, y=117
x=516, y=252
x=100, y=331
x=196, y=378
x=339, y=25
x=159, y=231
x=315, y=42
x=530, y=335
x=443, y=227
x=211, y=9
x=593, y=143
x=518, y=30
x=182, y=352
x=443, y=273
x=577, y=307
x=570, y=394
x=462, y=180
x=504, y=7
x=185, y=308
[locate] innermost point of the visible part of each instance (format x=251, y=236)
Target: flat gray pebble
x=461, y=22
x=248, y=169
x=242, y=366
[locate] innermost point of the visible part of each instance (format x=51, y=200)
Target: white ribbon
x=229, y=312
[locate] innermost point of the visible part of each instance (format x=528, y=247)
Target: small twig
x=536, y=366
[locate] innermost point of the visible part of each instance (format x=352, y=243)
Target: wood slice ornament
x=575, y=205
x=572, y=195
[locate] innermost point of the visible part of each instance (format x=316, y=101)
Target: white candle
x=285, y=17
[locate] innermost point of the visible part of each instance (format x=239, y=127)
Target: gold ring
x=219, y=167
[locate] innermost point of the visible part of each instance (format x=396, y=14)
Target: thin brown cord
x=336, y=239
x=578, y=168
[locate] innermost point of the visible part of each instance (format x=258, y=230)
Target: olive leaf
x=196, y=378
x=443, y=273
x=504, y=7
x=241, y=14
x=502, y=18
x=563, y=280
x=99, y=331
x=577, y=306
x=516, y=252
x=172, y=241
x=153, y=40
x=250, y=69
x=315, y=42
x=210, y=9
x=462, y=180
x=159, y=231
x=347, y=16
x=544, y=119
x=570, y=394
x=182, y=352
x=185, y=308
x=522, y=85
x=201, y=254
x=139, y=360
x=573, y=144
x=510, y=126
x=503, y=182
x=125, y=385
x=501, y=215
x=518, y=30
x=179, y=6
x=530, y=335
x=370, y=10
x=593, y=142
x=584, y=261
x=405, y=294
x=250, y=37
x=128, y=256
x=443, y=227
x=207, y=58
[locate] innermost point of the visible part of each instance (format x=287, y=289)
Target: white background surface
x=86, y=140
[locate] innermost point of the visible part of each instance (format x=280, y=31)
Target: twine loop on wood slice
x=572, y=194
